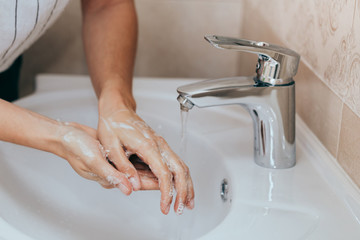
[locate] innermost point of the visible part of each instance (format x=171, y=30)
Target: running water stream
x=183, y=142
x=185, y=221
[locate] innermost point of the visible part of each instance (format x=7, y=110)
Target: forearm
x=110, y=32
x=23, y=127
x=110, y=37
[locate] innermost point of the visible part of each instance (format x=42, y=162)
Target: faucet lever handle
x=276, y=65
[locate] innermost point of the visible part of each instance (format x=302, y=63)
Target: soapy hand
x=123, y=133
x=87, y=157
x=120, y=130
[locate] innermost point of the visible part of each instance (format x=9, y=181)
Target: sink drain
x=224, y=190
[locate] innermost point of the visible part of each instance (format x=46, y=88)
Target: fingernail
x=123, y=188
x=167, y=209
x=191, y=204
x=136, y=185
x=180, y=209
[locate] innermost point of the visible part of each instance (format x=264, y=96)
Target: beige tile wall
x=349, y=150
x=326, y=34
x=171, y=37
x=171, y=41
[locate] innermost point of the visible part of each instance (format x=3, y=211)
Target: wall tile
x=170, y=43
x=171, y=39
x=319, y=107
x=256, y=28
x=349, y=150
x=326, y=33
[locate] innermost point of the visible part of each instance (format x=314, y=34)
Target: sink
x=43, y=198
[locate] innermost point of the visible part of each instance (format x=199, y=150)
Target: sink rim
x=321, y=160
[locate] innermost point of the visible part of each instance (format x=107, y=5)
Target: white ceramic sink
x=41, y=197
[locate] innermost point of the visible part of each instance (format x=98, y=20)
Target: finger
x=190, y=202
x=138, y=138
x=138, y=163
x=141, y=166
x=92, y=176
x=148, y=181
x=110, y=176
x=180, y=182
x=118, y=157
x=146, y=173
x=105, y=184
x=180, y=171
x=146, y=148
x=149, y=153
x=121, y=162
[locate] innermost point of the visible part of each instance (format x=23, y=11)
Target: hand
x=120, y=129
x=148, y=180
x=74, y=142
x=85, y=154
x=122, y=133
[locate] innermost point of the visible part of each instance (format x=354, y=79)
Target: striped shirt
x=22, y=22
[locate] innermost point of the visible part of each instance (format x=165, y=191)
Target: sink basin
x=43, y=198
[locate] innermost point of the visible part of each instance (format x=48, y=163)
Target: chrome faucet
x=269, y=97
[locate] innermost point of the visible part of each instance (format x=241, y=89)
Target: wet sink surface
x=43, y=198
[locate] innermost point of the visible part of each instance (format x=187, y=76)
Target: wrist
x=30, y=129
x=49, y=138
x=114, y=98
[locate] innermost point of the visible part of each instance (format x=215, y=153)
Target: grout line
x=322, y=79
x=339, y=132
x=353, y=110
x=318, y=75
x=354, y=13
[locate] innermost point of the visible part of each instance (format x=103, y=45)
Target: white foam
x=180, y=208
x=93, y=174
x=112, y=180
x=70, y=137
x=106, y=124
x=121, y=125
x=142, y=127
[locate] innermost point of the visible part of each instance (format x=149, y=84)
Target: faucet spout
x=272, y=109
x=185, y=104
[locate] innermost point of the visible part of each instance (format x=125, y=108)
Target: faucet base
x=274, y=128
x=287, y=163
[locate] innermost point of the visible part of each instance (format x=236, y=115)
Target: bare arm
x=74, y=142
x=23, y=127
x=110, y=36
x=110, y=39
